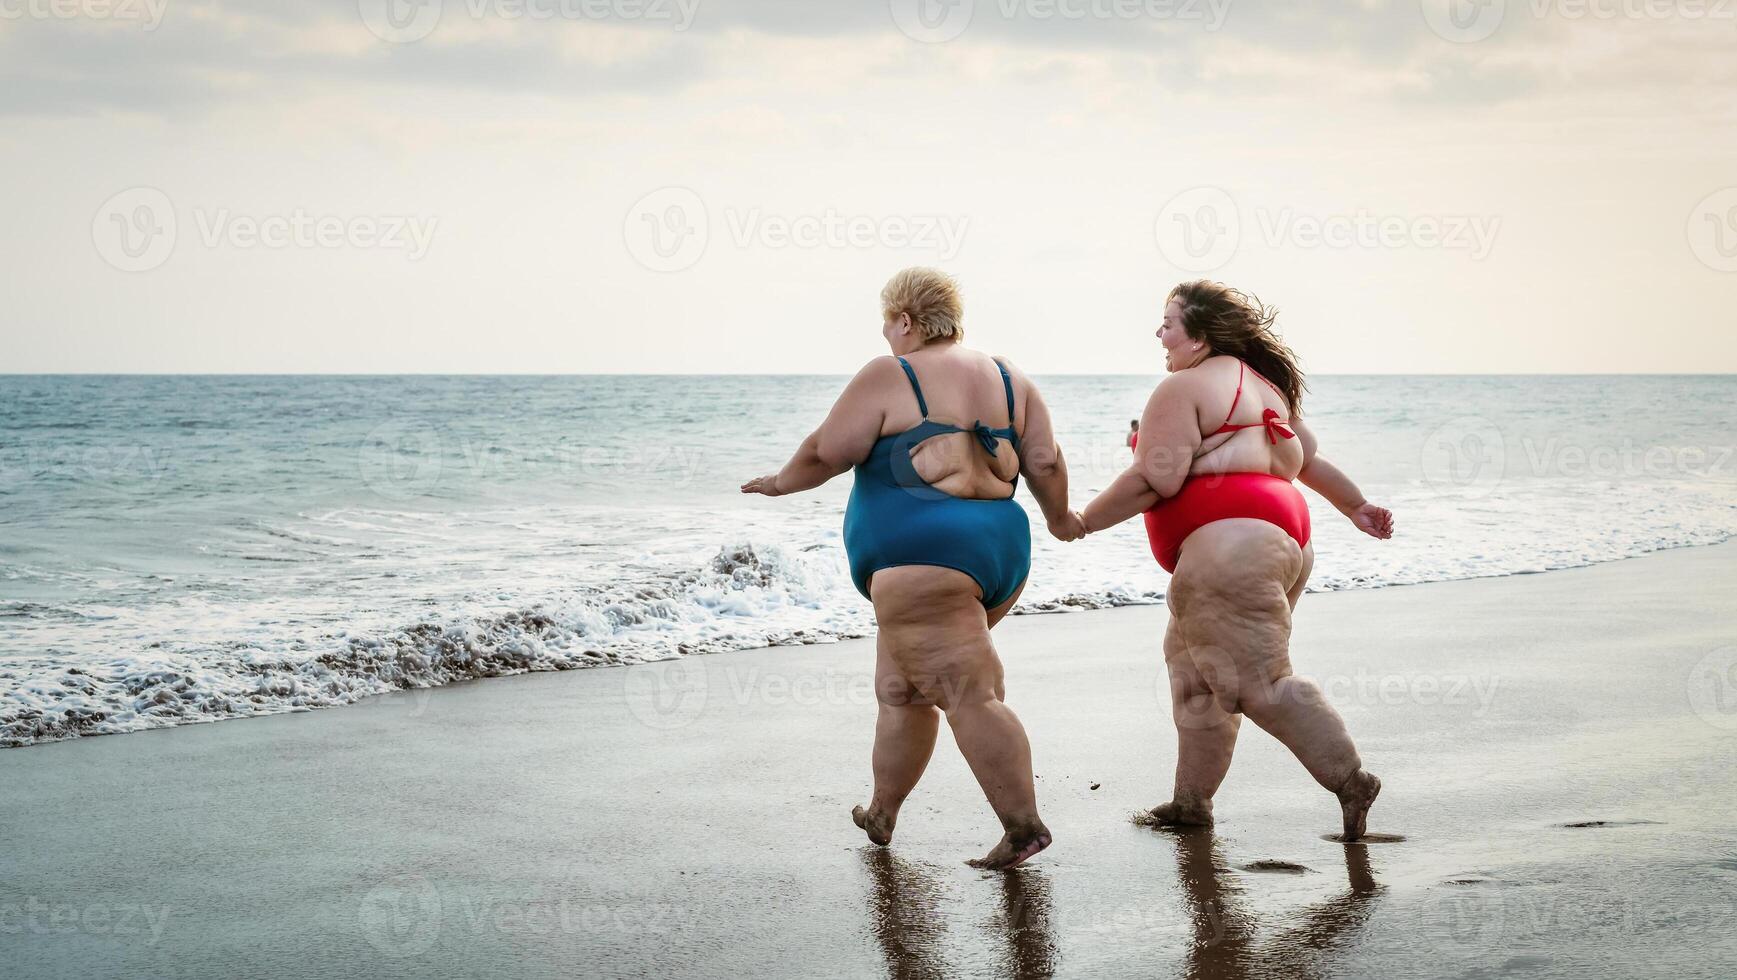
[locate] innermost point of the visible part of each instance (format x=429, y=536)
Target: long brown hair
x=1240, y=325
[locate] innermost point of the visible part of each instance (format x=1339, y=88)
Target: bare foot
x=1176, y=814
x=1355, y=798
x=1015, y=849
x=878, y=826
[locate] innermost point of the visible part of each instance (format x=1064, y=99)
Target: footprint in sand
x=1277, y=867
x=1366, y=838
x=1584, y=824
x=1476, y=879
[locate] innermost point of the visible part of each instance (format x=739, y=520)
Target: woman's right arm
x=1041, y=461
x=845, y=439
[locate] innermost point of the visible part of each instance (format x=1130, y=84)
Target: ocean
x=178, y=549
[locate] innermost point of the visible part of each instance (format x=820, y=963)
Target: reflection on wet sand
x=908, y=905
x=905, y=911
x=1023, y=926
x=1224, y=943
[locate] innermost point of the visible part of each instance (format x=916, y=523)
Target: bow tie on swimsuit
x=1275, y=427
x=990, y=438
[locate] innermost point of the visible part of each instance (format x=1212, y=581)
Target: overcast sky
x=724, y=185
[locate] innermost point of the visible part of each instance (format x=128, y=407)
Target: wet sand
x=1558, y=753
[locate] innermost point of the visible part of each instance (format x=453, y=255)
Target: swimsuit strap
x=1241, y=370
x=1269, y=384
x=1007, y=382
x=1270, y=420
x=922, y=406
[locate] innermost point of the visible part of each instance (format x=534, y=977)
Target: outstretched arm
x=1169, y=438
x=1041, y=461
x=1330, y=482
x=842, y=441
x=1127, y=495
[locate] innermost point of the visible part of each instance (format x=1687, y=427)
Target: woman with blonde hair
x=1225, y=519
x=937, y=542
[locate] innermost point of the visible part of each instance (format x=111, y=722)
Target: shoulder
x=1022, y=383
x=1013, y=371
x=874, y=379
x=1181, y=385
x=882, y=368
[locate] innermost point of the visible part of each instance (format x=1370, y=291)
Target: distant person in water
x=1134, y=434
x=939, y=436
x=1225, y=519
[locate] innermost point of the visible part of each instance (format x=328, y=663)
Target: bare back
x=962, y=387
x=1249, y=450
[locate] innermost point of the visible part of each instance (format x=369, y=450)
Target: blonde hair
x=931, y=298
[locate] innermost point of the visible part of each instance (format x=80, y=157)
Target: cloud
x=205, y=53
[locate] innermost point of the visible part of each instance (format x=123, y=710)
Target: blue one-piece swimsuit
x=896, y=518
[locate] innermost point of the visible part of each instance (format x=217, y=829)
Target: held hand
x=767, y=485
x=1069, y=528
x=1377, y=522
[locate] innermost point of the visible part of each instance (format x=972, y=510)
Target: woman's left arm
x=1331, y=482
x=845, y=439
x=1169, y=437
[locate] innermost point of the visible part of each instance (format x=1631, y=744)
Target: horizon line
x=814, y=374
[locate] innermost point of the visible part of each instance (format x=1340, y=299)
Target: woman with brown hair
x=1225, y=519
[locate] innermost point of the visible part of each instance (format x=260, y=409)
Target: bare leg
x=1205, y=738
x=904, y=741
x=1234, y=585
x=937, y=635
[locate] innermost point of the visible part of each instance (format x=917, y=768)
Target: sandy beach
x=1558, y=754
